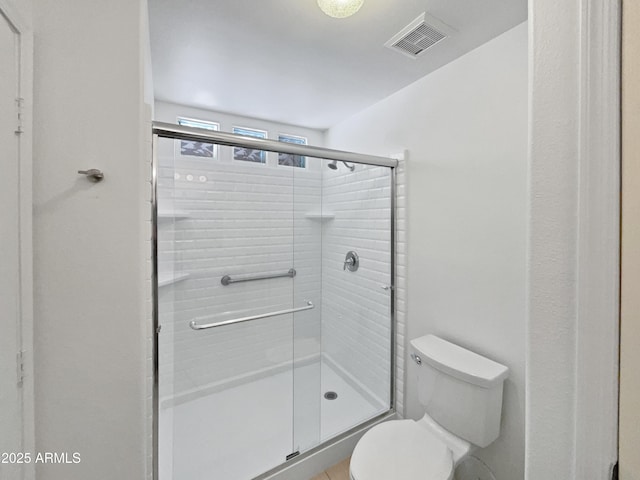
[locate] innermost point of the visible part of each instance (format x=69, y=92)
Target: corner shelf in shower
x=172, y=214
x=320, y=216
x=165, y=279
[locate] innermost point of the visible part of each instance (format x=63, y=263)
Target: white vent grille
x=418, y=36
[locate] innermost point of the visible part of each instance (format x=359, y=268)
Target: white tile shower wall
x=401, y=277
x=356, y=321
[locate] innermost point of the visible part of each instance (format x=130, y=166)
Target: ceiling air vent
x=424, y=32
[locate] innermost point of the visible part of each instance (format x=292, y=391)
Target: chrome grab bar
x=227, y=280
x=195, y=326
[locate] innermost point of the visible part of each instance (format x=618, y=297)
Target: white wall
x=552, y=271
x=15, y=217
x=91, y=299
x=573, y=272
x=465, y=127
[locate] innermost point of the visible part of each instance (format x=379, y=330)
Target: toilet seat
x=401, y=450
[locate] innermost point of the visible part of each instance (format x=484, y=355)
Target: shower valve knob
x=351, y=261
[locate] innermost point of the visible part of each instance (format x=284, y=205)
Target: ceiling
x=286, y=61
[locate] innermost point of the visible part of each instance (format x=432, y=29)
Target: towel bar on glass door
x=194, y=323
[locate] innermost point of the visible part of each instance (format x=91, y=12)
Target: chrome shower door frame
x=179, y=132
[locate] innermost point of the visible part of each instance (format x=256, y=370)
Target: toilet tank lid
x=459, y=362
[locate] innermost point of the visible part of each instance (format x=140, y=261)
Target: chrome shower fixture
x=334, y=165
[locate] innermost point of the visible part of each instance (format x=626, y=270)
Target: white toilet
x=461, y=392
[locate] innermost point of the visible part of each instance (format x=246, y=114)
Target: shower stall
x=274, y=301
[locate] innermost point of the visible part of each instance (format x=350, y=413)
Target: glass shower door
x=274, y=306
x=225, y=253
x=343, y=255
x=350, y=382
x=307, y=326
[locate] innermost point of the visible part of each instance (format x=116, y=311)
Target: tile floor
x=339, y=471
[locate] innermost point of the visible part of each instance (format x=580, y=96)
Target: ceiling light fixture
x=340, y=8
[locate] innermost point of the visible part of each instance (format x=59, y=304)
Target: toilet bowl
x=461, y=393
x=406, y=449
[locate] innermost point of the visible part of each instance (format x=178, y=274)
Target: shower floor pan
x=239, y=433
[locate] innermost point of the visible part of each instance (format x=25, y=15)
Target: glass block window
x=289, y=159
x=198, y=149
x=248, y=154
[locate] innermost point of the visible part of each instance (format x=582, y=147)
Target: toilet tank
x=460, y=389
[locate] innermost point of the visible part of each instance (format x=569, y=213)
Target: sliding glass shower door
x=273, y=306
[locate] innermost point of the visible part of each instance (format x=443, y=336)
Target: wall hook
x=92, y=174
